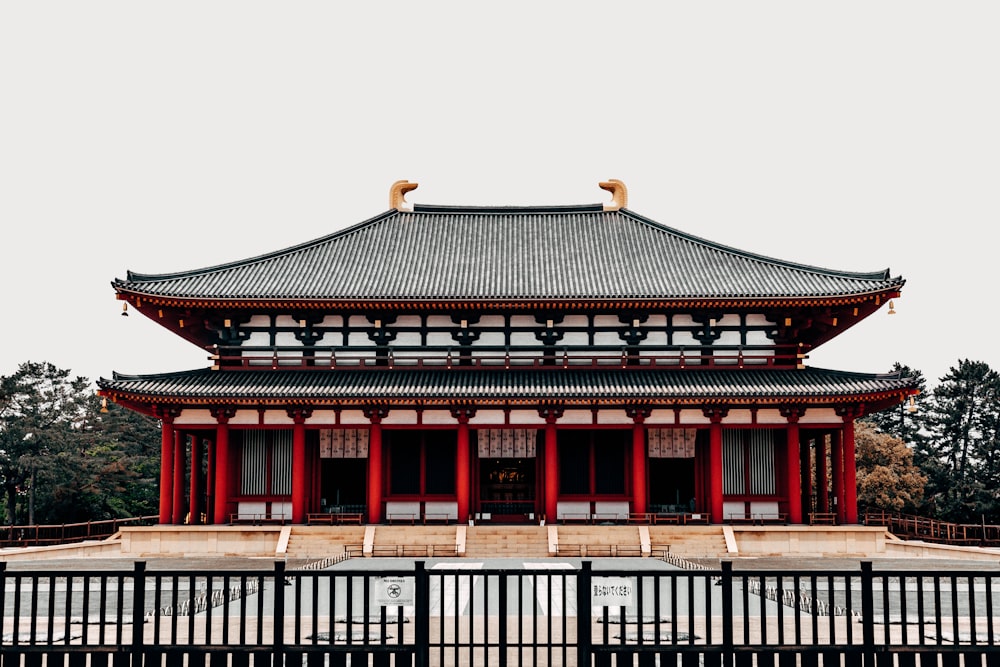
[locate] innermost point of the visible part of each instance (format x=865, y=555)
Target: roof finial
x=619, y=194
x=397, y=193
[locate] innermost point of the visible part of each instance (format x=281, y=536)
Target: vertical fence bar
x=421, y=613
x=727, y=613
x=279, y=612
x=138, y=609
x=584, y=622
x=868, y=613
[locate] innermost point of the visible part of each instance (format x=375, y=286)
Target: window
x=421, y=462
x=593, y=462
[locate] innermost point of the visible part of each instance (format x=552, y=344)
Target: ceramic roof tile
x=435, y=252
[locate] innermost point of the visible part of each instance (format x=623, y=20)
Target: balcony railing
x=492, y=358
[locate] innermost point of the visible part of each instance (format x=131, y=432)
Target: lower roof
x=443, y=387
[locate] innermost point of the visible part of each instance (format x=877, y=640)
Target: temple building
x=508, y=364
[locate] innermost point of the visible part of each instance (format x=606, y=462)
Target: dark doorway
x=671, y=485
x=343, y=485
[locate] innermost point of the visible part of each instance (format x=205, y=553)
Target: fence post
x=138, y=610
x=279, y=613
x=584, y=622
x=421, y=613
x=868, y=613
x=727, y=613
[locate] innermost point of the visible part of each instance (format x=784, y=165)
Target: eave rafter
x=148, y=303
x=153, y=405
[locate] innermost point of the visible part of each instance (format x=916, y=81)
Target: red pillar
x=850, y=474
x=375, y=473
x=167, y=469
x=180, y=446
x=837, y=464
x=793, y=485
x=822, y=483
x=221, y=468
x=299, y=487
x=194, y=502
x=462, y=475
x=715, y=463
x=209, y=510
x=640, y=495
x=551, y=469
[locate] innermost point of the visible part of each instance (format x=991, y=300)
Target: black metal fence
x=450, y=615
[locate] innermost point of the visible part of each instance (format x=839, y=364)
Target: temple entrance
x=506, y=474
x=507, y=490
x=342, y=485
x=671, y=485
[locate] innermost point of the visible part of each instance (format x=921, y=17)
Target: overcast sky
x=169, y=136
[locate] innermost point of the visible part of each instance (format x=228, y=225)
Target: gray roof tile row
x=503, y=385
x=462, y=253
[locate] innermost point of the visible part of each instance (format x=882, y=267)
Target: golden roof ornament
x=619, y=194
x=397, y=194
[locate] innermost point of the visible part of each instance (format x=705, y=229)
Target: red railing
x=257, y=358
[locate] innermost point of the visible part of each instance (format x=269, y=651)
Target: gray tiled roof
x=438, y=252
x=500, y=385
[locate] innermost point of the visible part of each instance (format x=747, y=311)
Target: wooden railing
x=66, y=533
x=935, y=530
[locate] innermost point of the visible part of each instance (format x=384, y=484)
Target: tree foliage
x=955, y=440
x=888, y=479
x=63, y=460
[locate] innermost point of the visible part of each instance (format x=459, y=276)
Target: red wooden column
x=850, y=471
x=167, y=438
x=375, y=472
x=837, y=465
x=221, y=468
x=822, y=483
x=194, y=502
x=551, y=415
x=793, y=483
x=640, y=494
x=462, y=472
x=180, y=447
x=716, y=416
x=300, y=489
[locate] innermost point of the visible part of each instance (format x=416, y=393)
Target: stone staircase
x=689, y=541
x=599, y=541
x=318, y=542
x=486, y=541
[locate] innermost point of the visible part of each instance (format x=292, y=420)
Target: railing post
x=421, y=613
x=279, y=613
x=584, y=622
x=868, y=613
x=727, y=613
x=138, y=610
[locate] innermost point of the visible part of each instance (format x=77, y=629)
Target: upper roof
x=510, y=253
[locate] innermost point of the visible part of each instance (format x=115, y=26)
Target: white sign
x=612, y=591
x=393, y=592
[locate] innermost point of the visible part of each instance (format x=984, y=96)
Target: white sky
x=163, y=136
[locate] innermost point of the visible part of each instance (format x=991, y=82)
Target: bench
x=401, y=517
x=443, y=517
x=256, y=519
x=822, y=519
x=575, y=518
x=335, y=518
x=640, y=517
